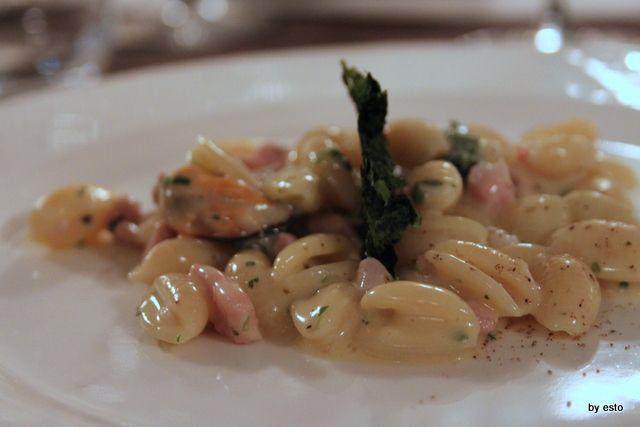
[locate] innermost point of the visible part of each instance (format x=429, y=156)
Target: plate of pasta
x=327, y=237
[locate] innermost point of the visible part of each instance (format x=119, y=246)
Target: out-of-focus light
x=632, y=61
x=174, y=13
x=548, y=40
x=212, y=10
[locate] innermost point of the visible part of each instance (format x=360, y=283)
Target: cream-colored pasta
x=335, y=172
x=610, y=248
x=602, y=184
x=413, y=142
x=312, y=250
x=534, y=218
x=435, y=228
x=477, y=272
x=561, y=149
x=295, y=185
x=493, y=145
x=534, y=255
x=252, y=270
x=213, y=158
x=177, y=256
x=619, y=173
x=499, y=238
x=586, y=204
x=332, y=313
x=175, y=310
x=71, y=216
x=347, y=141
x=436, y=185
x=403, y=319
x=570, y=296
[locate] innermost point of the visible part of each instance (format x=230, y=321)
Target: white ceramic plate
x=71, y=351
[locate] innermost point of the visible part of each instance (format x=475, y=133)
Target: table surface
x=308, y=33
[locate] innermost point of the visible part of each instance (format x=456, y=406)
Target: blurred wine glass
x=51, y=42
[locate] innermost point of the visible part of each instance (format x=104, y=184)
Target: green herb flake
x=491, y=337
x=81, y=191
x=250, y=263
x=325, y=279
x=252, y=282
x=236, y=333
x=419, y=189
x=624, y=284
x=178, y=338
x=216, y=216
x=86, y=219
x=486, y=296
x=386, y=212
x=465, y=148
x=595, y=267
x=365, y=321
x=177, y=180
x=138, y=312
x=461, y=336
x=335, y=155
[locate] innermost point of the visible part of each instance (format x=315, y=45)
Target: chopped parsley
x=138, y=312
x=252, y=282
x=86, y=219
x=81, y=191
x=491, y=337
x=419, y=189
x=465, y=148
x=177, y=180
x=624, y=284
x=595, y=267
x=178, y=338
x=236, y=333
x=322, y=310
x=386, y=212
x=461, y=336
x=250, y=263
x=216, y=216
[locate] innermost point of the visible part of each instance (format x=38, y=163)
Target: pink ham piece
x=232, y=312
x=331, y=223
x=491, y=185
x=281, y=241
x=487, y=318
x=161, y=231
x=370, y=274
x=267, y=156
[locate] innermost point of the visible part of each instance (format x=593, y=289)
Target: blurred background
x=62, y=43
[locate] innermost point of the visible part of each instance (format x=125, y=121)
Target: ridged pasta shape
x=337, y=182
x=405, y=318
x=477, y=272
x=71, y=216
x=610, y=248
x=175, y=310
x=413, y=142
x=435, y=185
x=570, y=296
x=561, y=149
x=588, y=204
x=435, y=228
x=177, y=256
x=252, y=270
x=330, y=314
x=210, y=156
x=347, y=141
x=535, y=217
x=295, y=185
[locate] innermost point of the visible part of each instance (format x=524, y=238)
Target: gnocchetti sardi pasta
x=395, y=240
